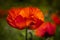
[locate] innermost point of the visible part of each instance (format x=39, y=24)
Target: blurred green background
x=9, y=33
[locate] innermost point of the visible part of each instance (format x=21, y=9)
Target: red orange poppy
x=29, y=17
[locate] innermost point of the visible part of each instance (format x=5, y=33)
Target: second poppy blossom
x=46, y=30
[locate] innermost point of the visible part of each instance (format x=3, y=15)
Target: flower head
x=46, y=30
x=29, y=17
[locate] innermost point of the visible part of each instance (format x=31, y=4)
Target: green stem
x=26, y=33
x=31, y=36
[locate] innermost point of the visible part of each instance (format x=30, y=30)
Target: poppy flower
x=47, y=29
x=55, y=18
x=21, y=18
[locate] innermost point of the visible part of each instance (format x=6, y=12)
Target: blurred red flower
x=21, y=18
x=55, y=18
x=47, y=29
x=3, y=13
